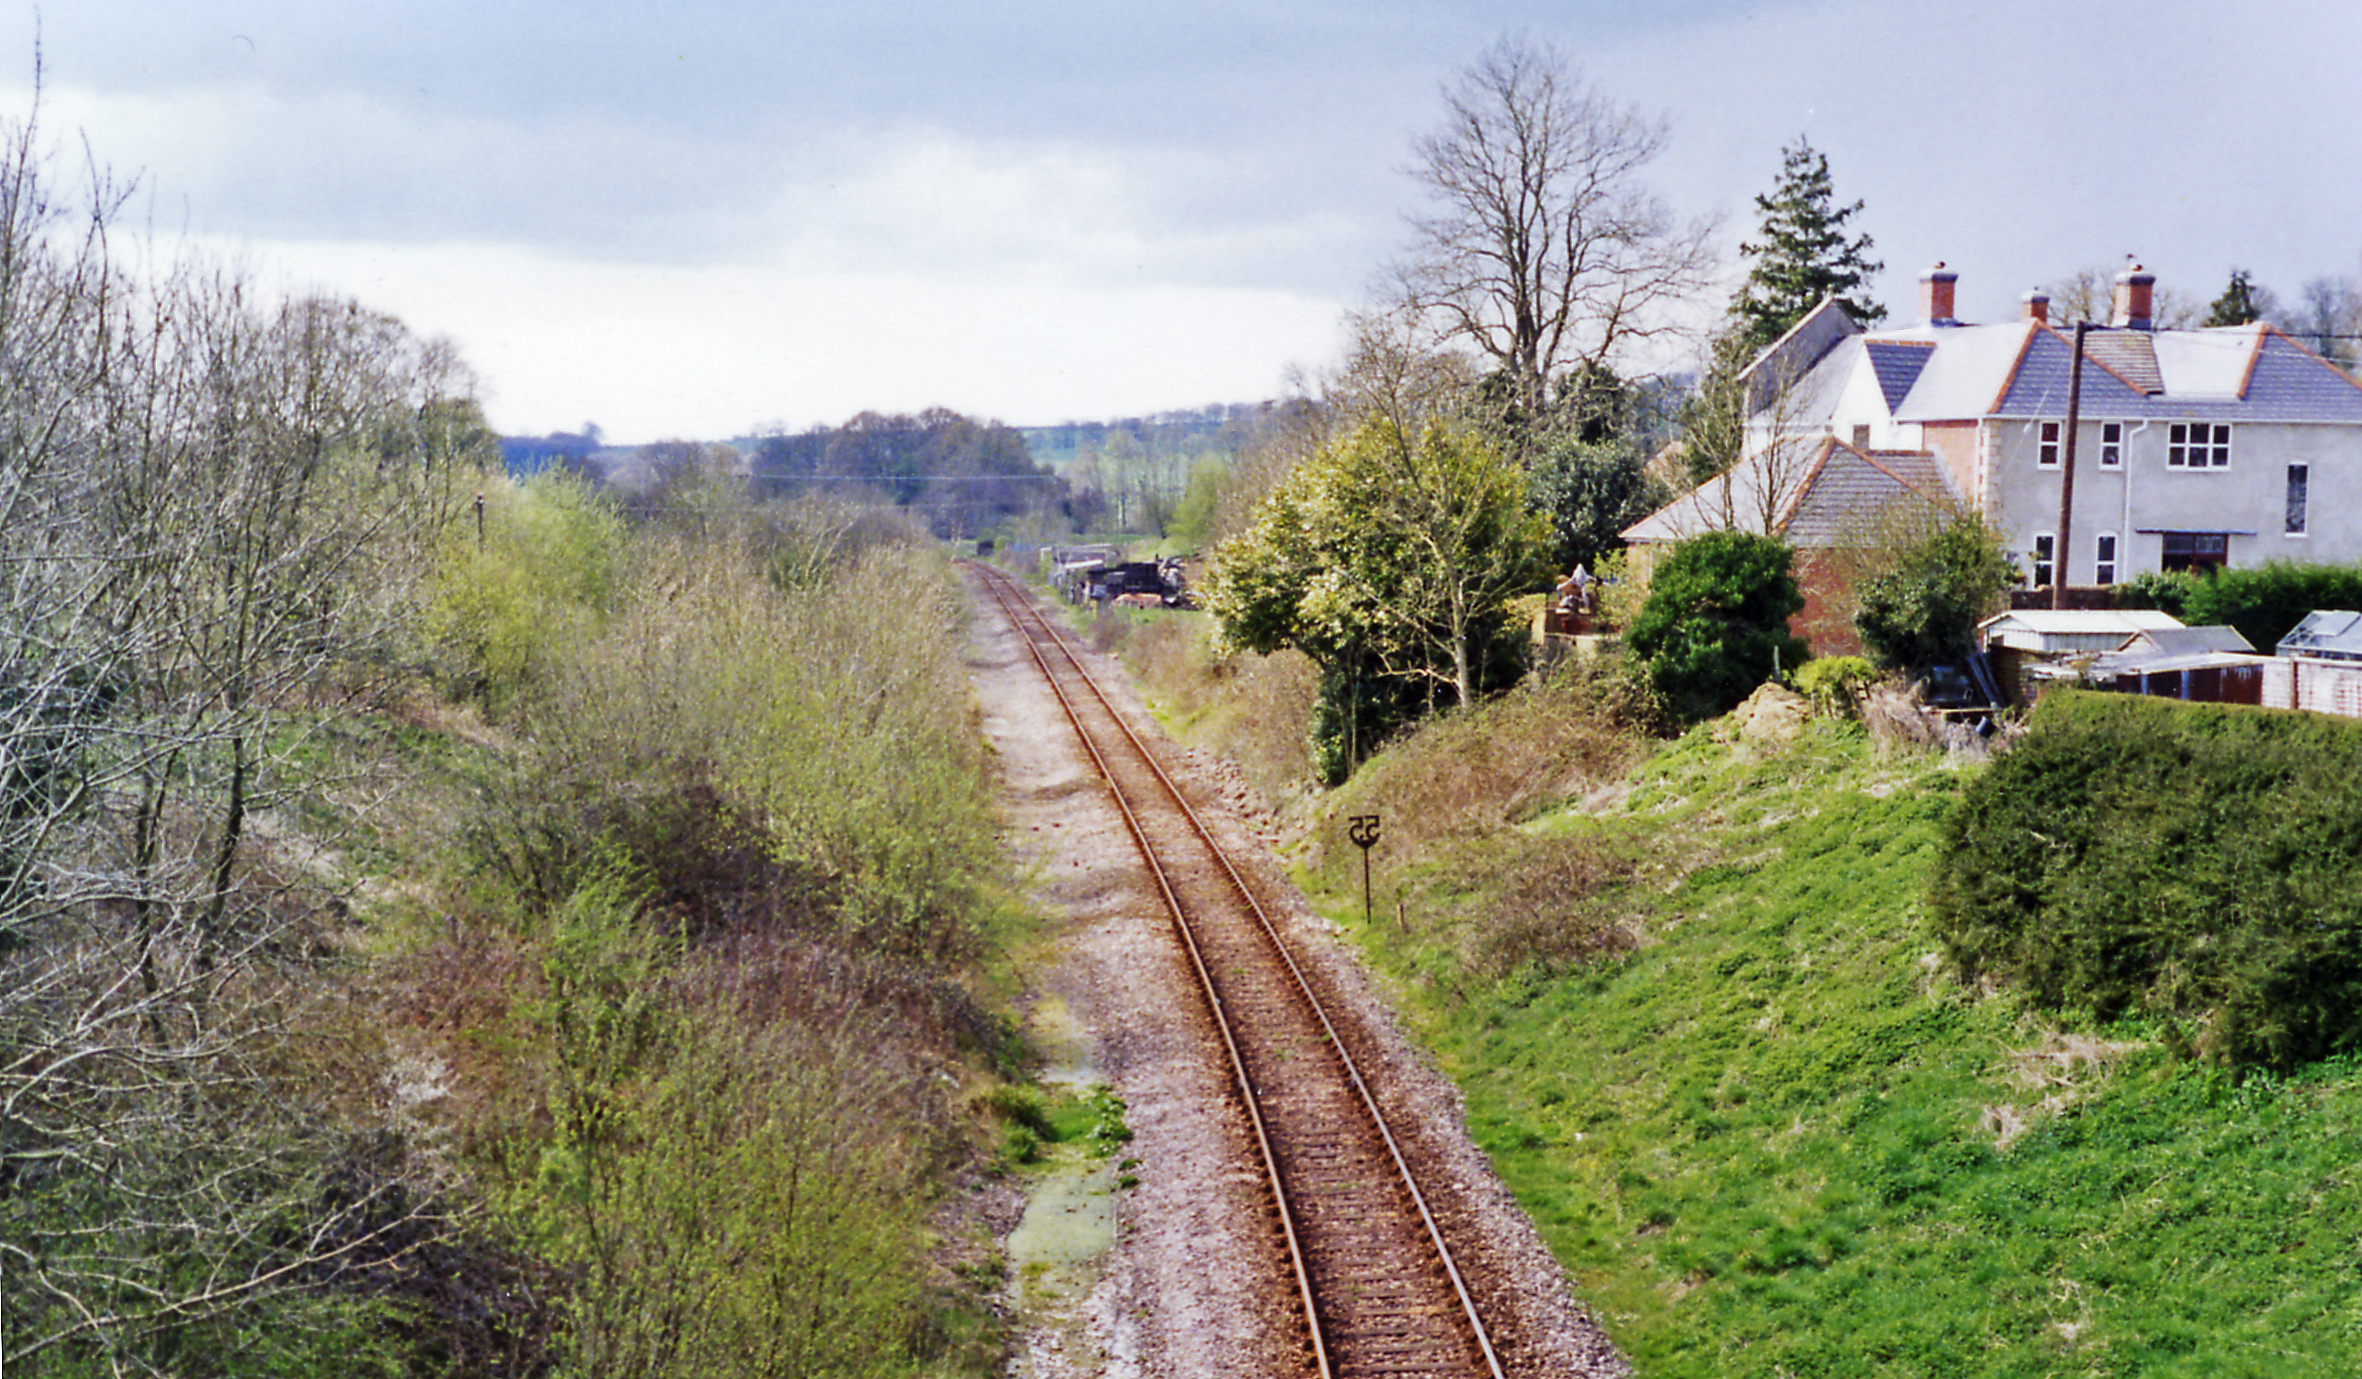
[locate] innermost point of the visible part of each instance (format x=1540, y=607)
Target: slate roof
x=1789, y=358
x=2020, y=370
x=1898, y=364
x=1815, y=499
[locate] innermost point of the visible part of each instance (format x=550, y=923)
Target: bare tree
x=1397, y=371
x=2089, y=294
x=2327, y=319
x=213, y=511
x=1544, y=250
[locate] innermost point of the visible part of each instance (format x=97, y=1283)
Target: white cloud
x=650, y=352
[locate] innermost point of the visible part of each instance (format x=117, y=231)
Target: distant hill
x=527, y=455
x=1183, y=432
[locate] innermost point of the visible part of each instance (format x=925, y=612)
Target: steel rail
x=1014, y=603
x=1020, y=618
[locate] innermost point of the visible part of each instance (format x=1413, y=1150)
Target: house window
x=2045, y=559
x=2111, y=445
x=2198, y=445
x=2049, y=458
x=2196, y=550
x=2103, y=569
x=1861, y=438
x=2299, y=480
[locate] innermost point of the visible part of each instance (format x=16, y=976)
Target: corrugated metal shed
x=2325, y=634
x=2070, y=631
x=2188, y=641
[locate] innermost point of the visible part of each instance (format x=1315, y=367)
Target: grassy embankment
x=1777, y=1137
x=1700, y=1017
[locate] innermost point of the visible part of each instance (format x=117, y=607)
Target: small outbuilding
x=2319, y=667
x=2208, y=665
x=2031, y=648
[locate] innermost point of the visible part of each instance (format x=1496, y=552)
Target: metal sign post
x=1364, y=833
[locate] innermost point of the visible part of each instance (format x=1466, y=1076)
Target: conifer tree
x=1801, y=254
x=2243, y=302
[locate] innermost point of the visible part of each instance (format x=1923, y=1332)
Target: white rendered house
x=2193, y=448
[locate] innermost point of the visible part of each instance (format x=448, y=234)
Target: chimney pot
x=1935, y=295
x=2136, y=297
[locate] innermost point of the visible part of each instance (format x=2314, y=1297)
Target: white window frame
x=2198, y=445
x=2104, y=549
x=2045, y=562
x=2297, y=518
x=2046, y=444
x=2111, y=445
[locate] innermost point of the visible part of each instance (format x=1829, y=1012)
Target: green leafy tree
x=1801, y=254
x=1590, y=492
x=1387, y=557
x=2243, y=302
x=1922, y=609
x=1715, y=624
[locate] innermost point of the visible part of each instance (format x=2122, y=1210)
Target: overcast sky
x=708, y=216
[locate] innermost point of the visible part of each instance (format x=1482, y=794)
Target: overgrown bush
x=516, y=584
x=1716, y=621
x=1943, y=574
x=816, y=716
x=1469, y=774
x=1544, y=911
x=732, y=1181
x=740, y=872
x=2197, y=863
x=1835, y=684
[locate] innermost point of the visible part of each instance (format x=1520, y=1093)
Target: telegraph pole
x=2065, y=542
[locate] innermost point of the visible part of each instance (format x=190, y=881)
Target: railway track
x=1378, y=1289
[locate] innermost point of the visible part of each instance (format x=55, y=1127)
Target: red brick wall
x=1827, y=622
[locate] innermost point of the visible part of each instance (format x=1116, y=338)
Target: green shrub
x=1923, y=609
x=1835, y=684
x=728, y=1172
x=2167, y=591
x=2198, y=863
x=1716, y=621
x=507, y=603
x=2264, y=602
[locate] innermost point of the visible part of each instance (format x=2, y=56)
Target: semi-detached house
x=2200, y=448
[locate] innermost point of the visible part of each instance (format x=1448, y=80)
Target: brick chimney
x=1935, y=295
x=2037, y=307
x=2136, y=296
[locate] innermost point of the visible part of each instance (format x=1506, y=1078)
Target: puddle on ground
x=1056, y=1251
x=1070, y=1220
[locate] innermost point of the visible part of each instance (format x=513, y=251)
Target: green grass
x=1779, y=1139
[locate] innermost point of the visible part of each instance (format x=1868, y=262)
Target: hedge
x=2197, y=863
